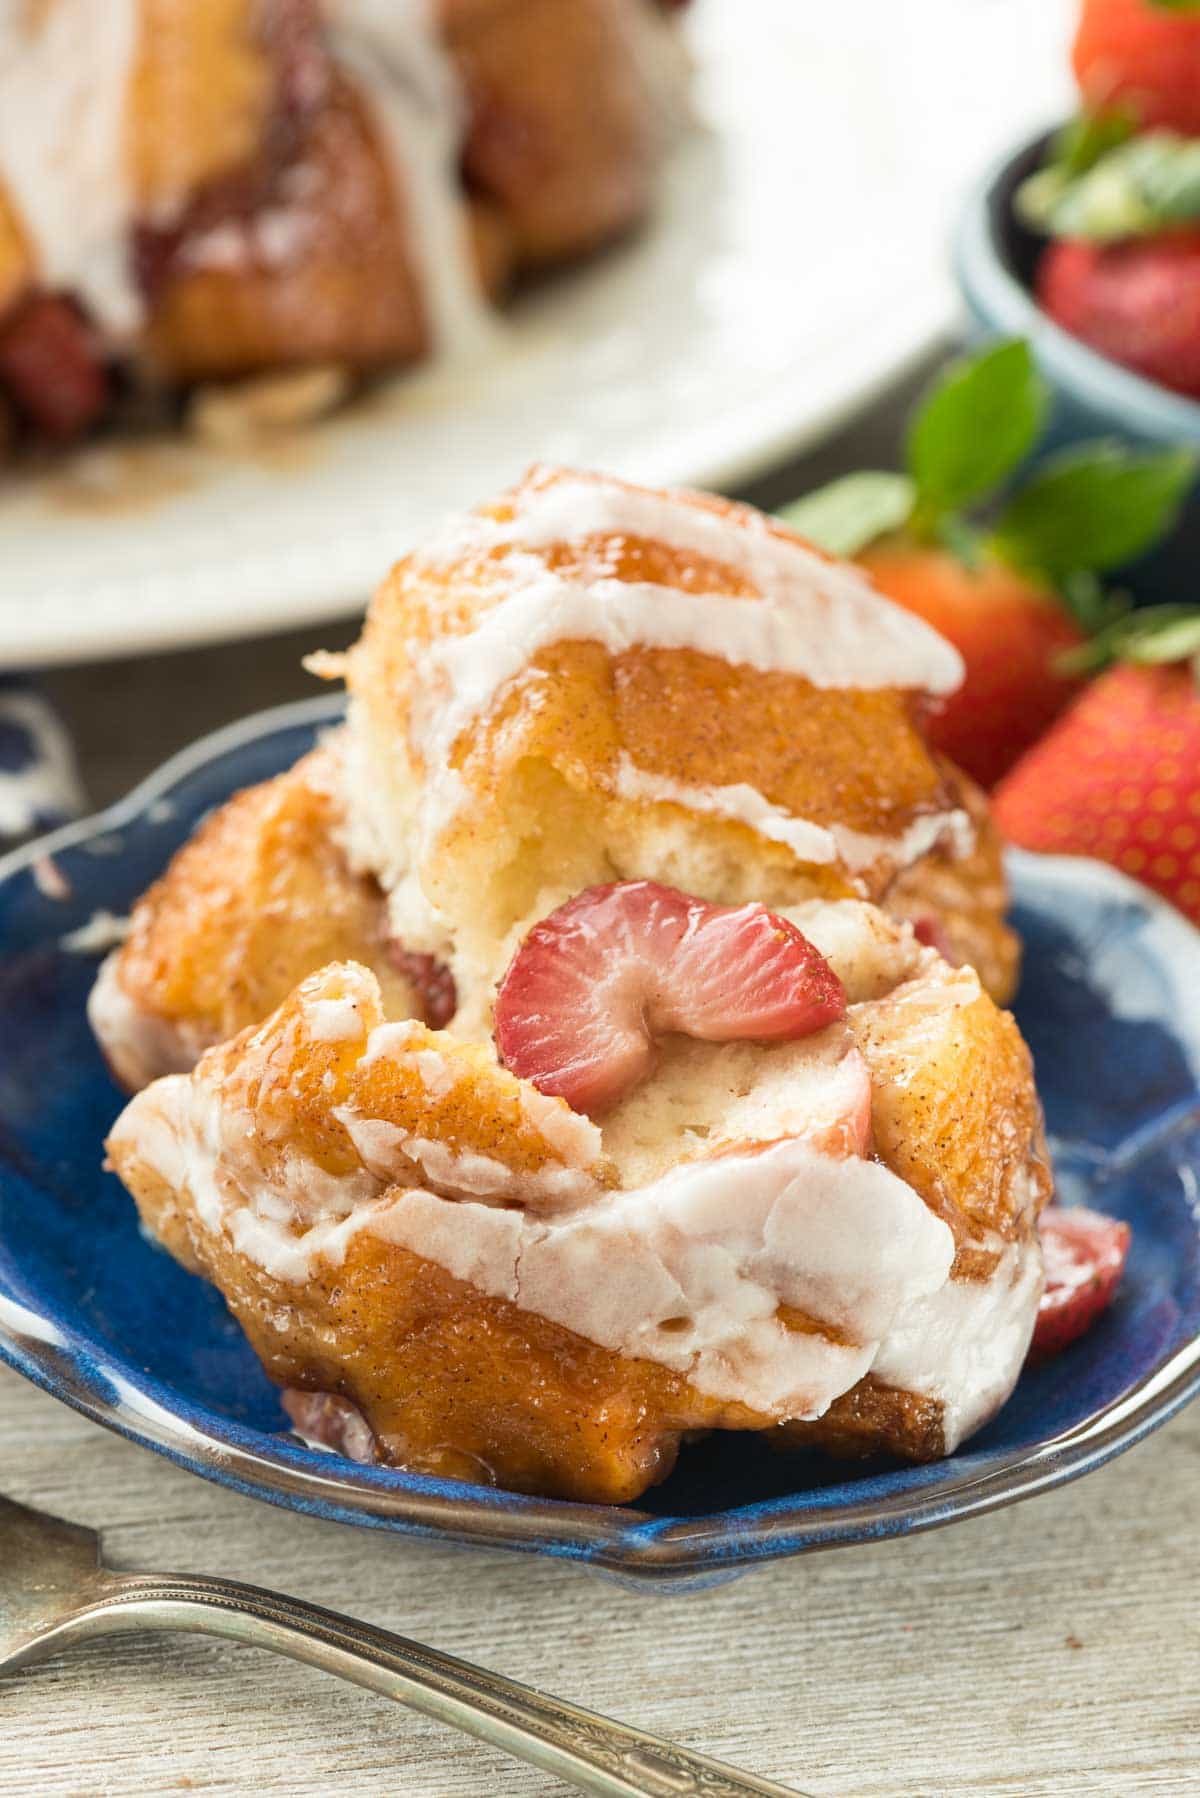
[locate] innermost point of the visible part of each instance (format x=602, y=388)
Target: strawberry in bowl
x=1119, y=195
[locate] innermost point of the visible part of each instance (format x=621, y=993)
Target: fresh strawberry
x=1137, y=301
x=1015, y=589
x=1142, y=58
x=1119, y=777
x=1008, y=630
x=596, y=982
x=49, y=367
x=1085, y=1257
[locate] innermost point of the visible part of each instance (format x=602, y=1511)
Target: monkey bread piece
x=590, y=1045
x=507, y=1291
x=220, y=188
x=589, y=681
x=258, y=898
x=565, y=176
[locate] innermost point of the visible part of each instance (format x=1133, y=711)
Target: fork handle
x=594, y=1753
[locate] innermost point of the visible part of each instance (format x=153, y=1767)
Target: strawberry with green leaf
x=1120, y=193
x=1014, y=582
x=1118, y=776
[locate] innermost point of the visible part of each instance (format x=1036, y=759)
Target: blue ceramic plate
x=97, y=1316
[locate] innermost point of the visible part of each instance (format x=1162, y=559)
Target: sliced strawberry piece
x=932, y=932
x=433, y=981
x=1085, y=1257
x=49, y=366
x=330, y=1421
x=597, y=981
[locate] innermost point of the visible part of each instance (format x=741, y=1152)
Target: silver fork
x=55, y=1590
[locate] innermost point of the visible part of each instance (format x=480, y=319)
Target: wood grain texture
x=1047, y=1651
x=1051, y=1649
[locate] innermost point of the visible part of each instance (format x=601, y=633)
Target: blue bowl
x=995, y=256
x=95, y=1314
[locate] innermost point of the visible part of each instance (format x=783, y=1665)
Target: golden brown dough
x=458, y=1381
x=258, y=898
x=568, y=157
x=830, y=1238
x=567, y=776
x=958, y=902
x=297, y=183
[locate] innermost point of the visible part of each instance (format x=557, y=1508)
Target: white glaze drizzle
x=388, y=1152
x=812, y=618
x=718, y=1244
x=823, y=844
x=740, y=804
x=835, y=629
x=64, y=73
x=138, y=1045
x=463, y=674
x=397, y=58
x=965, y=1344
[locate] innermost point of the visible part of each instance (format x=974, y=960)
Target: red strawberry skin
x=594, y=983
x=1085, y=1257
x=433, y=981
x=49, y=368
x=1142, y=59
x=1136, y=302
x=1008, y=632
x=1118, y=777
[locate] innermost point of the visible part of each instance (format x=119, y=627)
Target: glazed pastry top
x=675, y=686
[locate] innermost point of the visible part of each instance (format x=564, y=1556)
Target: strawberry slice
x=1085, y=1257
x=432, y=980
x=50, y=368
x=596, y=982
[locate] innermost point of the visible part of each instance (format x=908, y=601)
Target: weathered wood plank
x=1051, y=1649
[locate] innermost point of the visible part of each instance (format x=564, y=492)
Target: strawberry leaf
x=1176, y=5
x=1154, y=634
x=1142, y=187
x=1093, y=606
x=981, y=419
x=1087, y=137
x=1162, y=634
x=1095, y=507
x=848, y=514
x=962, y=539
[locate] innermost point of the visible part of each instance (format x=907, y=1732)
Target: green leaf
x=1087, y=137
x=981, y=419
x=1176, y=5
x=963, y=540
x=848, y=514
x=1155, y=634
x=1096, y=508
x=1093, y=606
x=1140, y=188
x=1162, y=634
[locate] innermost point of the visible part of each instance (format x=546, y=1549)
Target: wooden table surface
x=1050, y=1649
